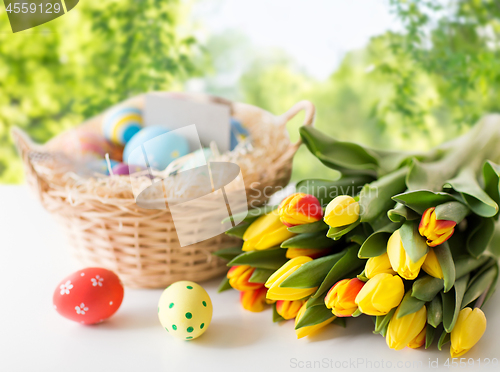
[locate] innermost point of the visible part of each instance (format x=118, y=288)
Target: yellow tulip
x=288, y=309
x=300, y=209
x=380, y=294
x=265, y=232
x=400, y=261
x=468, y=330
x=436, y=231
x=310, y=330
x=431, y=265
x=404, y=330
x=377, y=265
x=276, y=292
x=341, y=211
x=418, y=341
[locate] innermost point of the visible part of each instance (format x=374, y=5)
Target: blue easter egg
x=101, y=166
x=159, y=145
x=238, y=133
x=119, y=125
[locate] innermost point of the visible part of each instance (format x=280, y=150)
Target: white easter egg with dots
x=185, y=310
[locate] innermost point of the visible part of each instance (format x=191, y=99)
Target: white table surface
x=33, y=337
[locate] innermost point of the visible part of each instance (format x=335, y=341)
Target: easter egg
x=122, y=169
x=86, y=144
x=159, y=145
x=101, y=166
x=120, y=124
x=238, y=133
x=185, y=310
x=88, y=296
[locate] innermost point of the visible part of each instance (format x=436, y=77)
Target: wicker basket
x=106, y=228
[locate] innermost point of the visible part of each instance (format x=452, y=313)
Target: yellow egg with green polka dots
x=185, y=310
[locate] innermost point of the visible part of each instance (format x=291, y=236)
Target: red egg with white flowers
x=89, y=296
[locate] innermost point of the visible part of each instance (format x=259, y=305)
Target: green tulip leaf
x=276, y=317
x=424, y=176
x=413, y=243
x=479, y=285
x=382, y=321
x=336, y=233
x=375, y=197
x=480, y=236
x=409, y=305
x=476, y=198
x=252, y=214
x=325, y=191
x=238, y=230
x=224, y=285
x=443, y=340
x=445, y=259
x=435, y=312
x=340, y=322
x=316, y=301
x=426, y=288
x=309, y=228
x=314, y=315
x=309, y=240
x=271, y=259
x=491, y=175
x=228, y=253
x=491, y=289
x=312, y=273
x=260, y=275
x=401, y=214
x=346, y=264
x=452, y=211
x=467, y=264
x=494, y=247
x=429, y=335
x=342, y=156
x=375, y=245
x=452, y=302
x=420, y=200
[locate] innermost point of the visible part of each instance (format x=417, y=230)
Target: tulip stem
x=480, y=300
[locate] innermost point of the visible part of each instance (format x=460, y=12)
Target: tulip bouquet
x=409, y=239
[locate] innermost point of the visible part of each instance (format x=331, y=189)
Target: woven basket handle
x=25, y=146
x=310, y=114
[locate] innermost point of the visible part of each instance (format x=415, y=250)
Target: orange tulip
x=341, y=297
x=239, y=278
x=288, y=309
x=254, y=301
x=300, y=209
x=436, y=231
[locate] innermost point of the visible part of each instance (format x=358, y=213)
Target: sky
x=316, y=33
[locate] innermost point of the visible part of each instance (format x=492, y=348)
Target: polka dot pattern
x=185, y=310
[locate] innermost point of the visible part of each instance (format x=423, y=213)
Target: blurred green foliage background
x=404, y=90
